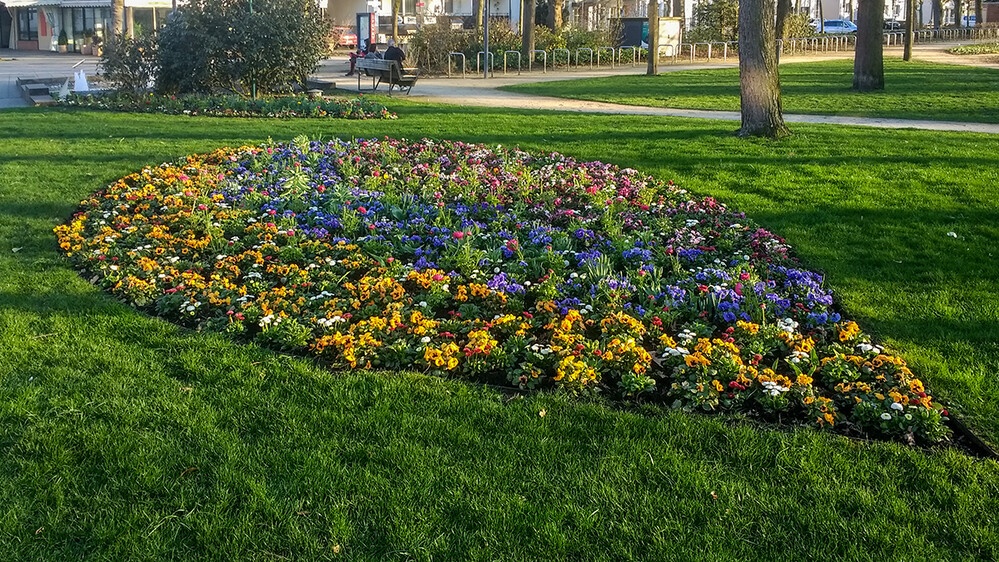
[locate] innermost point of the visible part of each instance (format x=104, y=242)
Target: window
x=27, y=24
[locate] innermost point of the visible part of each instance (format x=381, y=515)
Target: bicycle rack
x=462, y=55
x=602, y=49
x=544, y=63
x=724, y=45
x=672, y=51
x=634, y=55
x=691, y=50
x=588, y=50
x=568, y=59
x=480, y=58
x=505, y=53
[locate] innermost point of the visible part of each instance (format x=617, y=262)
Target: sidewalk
x=36, y=64
x=476, y=91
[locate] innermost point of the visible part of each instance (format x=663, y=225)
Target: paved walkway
x=478, y=92
x=36, y=64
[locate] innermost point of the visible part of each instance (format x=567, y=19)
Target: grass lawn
x=914, y=90
x=125, y=437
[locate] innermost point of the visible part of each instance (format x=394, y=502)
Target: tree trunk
x=478, y=6
x=759, y=82
x=868, y=64
x=910, y=26
x=395, y=19
x=958, y=12
x=118, y=17
x=937, y=14
x=850, y=8
x=527, y=27
x=653, y=57
x=783, y=9
x=555, y=14
x=978, y=13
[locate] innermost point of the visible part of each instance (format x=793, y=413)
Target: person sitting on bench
x=394, y=53
x=370, y=50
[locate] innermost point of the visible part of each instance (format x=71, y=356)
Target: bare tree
x=653, y=58
x=759, y=81
x=868, y=64
x=118, y=17
x=527, y=27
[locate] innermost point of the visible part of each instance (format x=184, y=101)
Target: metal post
x=485, y=39
x=253, y=75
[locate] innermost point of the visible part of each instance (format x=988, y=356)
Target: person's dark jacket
x=394, y=53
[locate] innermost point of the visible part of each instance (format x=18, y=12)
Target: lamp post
x=253, y=73
x=485, y=40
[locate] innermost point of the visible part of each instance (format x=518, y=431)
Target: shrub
x=130, y=65
x=715, y=21
x=219, y=45
x=234, y=106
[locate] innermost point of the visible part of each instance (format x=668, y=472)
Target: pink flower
x=458, y=234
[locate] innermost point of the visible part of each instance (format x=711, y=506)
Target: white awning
x=34, y=3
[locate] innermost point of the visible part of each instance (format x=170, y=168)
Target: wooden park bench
x=388, y=71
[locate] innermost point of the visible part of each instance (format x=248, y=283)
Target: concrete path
x=478, y=92
x=36, y=64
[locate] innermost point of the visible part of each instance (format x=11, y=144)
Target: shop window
x=27, y=24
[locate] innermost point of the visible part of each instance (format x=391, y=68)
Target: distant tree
x=868, y=64
x=479, y=7
x=118, y=17
x=555, y=14
x=937, y=14
x=910, y=26
x=978, y=13
x=958, y=11
x=759, y=81
x=653, y=58
x=527, y=27
x=395, y=19
x=783, y=9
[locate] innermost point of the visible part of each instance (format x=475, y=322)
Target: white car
x=839, y=26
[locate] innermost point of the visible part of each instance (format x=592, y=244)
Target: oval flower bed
x=499, y=266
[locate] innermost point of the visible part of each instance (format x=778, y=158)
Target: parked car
x=344, y=37
x=839, y=26
x=894, y=25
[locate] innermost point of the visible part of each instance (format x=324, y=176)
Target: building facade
x=37, y=24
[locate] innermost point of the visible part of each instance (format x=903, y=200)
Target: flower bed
x=499, y=266
x=234, y=106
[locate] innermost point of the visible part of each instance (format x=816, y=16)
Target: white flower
x=896, y=406
x=423, y=304
x=425, y=339
x=886, y=416
x=952, y=234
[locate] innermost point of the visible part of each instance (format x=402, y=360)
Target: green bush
x=130, y=65
x=715, y=21
x=212, y=45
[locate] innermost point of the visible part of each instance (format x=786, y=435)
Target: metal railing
x=691, y=51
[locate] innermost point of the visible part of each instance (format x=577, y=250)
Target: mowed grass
x=125, y=437
x=913, y=90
